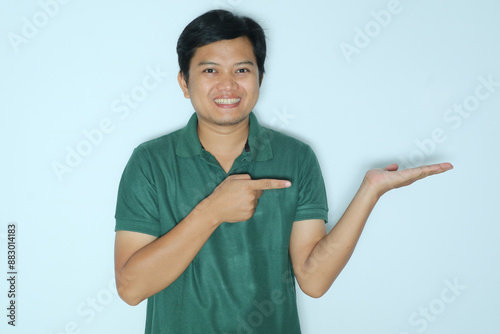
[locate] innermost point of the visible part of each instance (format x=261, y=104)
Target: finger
x=265, y=184
x=440, y=168
x=421, y=172
x=391, y=167
x=445, y=166
x=436, y=168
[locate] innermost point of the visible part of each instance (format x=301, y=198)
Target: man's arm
x=145, y=265
x=317, y=257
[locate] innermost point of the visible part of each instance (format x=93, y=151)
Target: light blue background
x=358, y=111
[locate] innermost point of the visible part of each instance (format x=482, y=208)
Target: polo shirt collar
x=258, y=140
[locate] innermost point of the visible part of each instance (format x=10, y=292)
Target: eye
x=209, y=70
x=243, y=70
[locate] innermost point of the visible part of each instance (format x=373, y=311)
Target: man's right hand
x=235, y=198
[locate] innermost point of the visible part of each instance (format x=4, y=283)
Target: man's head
x=217, y=25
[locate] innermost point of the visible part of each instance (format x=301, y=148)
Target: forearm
x=332, y=252
x=160, y=263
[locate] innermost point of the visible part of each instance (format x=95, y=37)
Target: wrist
x=205, y=211
x=371, y=190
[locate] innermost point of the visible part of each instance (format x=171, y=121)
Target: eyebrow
x=246, y=62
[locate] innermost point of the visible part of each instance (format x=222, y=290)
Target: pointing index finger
x=265, y=184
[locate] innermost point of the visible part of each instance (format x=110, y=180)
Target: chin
x=230, y=120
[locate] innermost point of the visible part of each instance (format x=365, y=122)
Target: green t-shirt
x=242, y=279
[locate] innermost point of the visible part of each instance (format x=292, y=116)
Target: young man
x=214, y=221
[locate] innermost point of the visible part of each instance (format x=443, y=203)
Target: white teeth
x=227, y=101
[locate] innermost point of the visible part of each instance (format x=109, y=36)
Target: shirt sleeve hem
x=312, y=213
x=136, y=226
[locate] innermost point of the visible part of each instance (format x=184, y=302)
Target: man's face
x=223, y=82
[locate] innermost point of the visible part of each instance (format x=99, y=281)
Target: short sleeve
x=312, y=200
x=137, y=203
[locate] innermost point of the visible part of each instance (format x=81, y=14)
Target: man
x=214, y=221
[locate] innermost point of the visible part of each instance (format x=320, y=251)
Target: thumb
x=391, y=167
x=240, y=177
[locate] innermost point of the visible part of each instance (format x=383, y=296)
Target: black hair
x=217, y=25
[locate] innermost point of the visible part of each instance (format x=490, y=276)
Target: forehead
x=228, y=51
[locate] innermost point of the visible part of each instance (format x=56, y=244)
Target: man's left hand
x=381, y=180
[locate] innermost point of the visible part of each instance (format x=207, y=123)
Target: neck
x=223, y=140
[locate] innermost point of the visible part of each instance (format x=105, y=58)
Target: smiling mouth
x=227, y=101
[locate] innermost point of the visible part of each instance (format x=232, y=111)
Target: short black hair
x=217, y=25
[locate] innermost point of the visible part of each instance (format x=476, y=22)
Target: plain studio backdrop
x=365, y=83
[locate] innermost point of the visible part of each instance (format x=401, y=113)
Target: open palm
x=385, y=179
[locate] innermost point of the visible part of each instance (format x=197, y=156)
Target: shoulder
x=159, y=148
x=149, y=153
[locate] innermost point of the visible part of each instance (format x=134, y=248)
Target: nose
x=227, y=83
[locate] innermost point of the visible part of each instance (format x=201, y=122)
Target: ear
x=260, y=81
x=183, y=84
